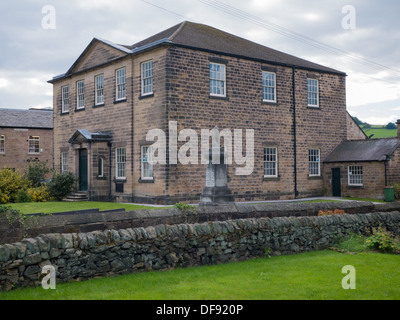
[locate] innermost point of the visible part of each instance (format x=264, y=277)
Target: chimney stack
x=398, y=129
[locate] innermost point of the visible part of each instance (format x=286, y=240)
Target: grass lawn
x=364, y=199
x=380, y=132
x=310, y=276
x=63, y=206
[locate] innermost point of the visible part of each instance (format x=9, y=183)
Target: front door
x=83, y=170
x=336, y=183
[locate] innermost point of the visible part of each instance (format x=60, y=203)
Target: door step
x=77, y=196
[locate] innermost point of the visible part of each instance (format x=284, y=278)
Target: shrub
x=10, y=183
x=4, y=198
x=383, y=241
x=40, y=194
x=23, y=196
x=187, y=211
x=37, y=173
x=61, y=185
x=330, y=212
x=396, y=187
x=16, y=219
x=352, y=242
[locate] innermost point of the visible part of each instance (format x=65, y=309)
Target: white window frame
x=314, y=158
x=2, y=144
x=65, y=99
x=217, y=76
x=268, y=83
x=146, y=156
x=355, y=176
x=99, y=89
x=312, y=92
x=120, y=163
x=64, y=162
x=271, y=157
x=147, y=73
x=80, y=94
x=120, y=84
x=34, y=141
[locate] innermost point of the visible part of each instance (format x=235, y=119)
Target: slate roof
x=83, y=135
x=20, y=118
x=202, y=37
x=364, y=150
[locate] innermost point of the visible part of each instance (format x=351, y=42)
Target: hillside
x=377, y=131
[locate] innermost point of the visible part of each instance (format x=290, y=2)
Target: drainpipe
x=386, y=175
x=109, y=170
x=296, y=192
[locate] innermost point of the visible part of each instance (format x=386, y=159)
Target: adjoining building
x=26, y=135
x=363, y=168
x=192, y=76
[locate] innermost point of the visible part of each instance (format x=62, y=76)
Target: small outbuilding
x=363, y=168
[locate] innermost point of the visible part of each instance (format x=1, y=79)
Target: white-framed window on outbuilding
x=355, y=175
x=34, y=144
x=269, y=86
x=314, y=162
x=120, y=161
x=270, y=162
x=147, y=77
x=217, y=80
x=312, y=93
x=147, y=163
x=120, y=83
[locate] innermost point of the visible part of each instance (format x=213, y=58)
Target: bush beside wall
x=79, y=256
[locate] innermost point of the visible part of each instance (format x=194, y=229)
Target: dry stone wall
x=79, y=256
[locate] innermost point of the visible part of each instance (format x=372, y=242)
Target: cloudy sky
x=362, y=40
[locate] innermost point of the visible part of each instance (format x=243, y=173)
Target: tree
x=61, y=185
x=358, y=121
x=37, y=173
x=391, y=126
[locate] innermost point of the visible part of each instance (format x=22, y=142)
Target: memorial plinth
x=216, y=191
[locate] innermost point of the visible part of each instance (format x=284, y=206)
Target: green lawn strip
x=364, y=199
x=311, y=275
x=63, y=206
x=379, y=132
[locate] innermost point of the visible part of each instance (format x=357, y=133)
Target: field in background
x=379, y=132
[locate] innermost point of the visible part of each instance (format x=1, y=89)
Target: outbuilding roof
x=364, y=150
x=23, y=118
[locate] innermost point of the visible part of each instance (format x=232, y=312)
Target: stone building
x=195, y=77
x=25, y=136
x=363, y=168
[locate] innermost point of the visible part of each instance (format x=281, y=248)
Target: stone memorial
x=216, y=191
